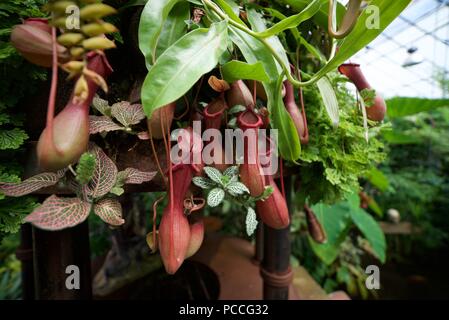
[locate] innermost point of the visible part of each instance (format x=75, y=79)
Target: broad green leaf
x=362, y=35
x=293, y=21
x=321, y=17
x=336, y=223
x=235, y=70
x=258, y=24
x=254, y=51
x=378, y=179
x=231, y=9
x=174, y=26
x=297, y=35
x=59, y=213
x=394, y=137
x=182, y=64
x=330, y=99
x=110, y=211
x=151, y=24
x=405, y=106
x=371, y=231
x=251, y=221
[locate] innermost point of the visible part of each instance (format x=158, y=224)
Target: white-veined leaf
x=215, y=197
x=214, y=174
x=251, y=221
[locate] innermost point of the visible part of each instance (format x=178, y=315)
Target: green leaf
x=378, y=179
x=235, y=70
x=214, y=174
x=394, y=137
x=85, y=168
x=330, y=99
x=151, y=24
x=321, y=17
x=236, y=109
x=405, y=106
x=254, y=51
x=181, y=65
x=237, y=188
x=258, y=24
x=101, y=105
x=370, y=230
x=232, y=171
x=251, y=221
x=231, y=9
x=174, y=27
x=203, y=183
x=12, y=139
x=288, y=139
x=361, y=35
x=336, y=223
x=215, y=197
x=293, y=21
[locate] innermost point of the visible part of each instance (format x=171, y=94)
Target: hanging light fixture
x=413, y=58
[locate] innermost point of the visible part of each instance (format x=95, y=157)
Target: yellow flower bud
x=70, y=39
x=98, y=43
x=96, y=11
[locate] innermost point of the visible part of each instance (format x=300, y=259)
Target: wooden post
x=25, y=254
x=53, y=252
x=275, y=268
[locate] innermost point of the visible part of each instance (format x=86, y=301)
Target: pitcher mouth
x=249, y=120
x=213, y=114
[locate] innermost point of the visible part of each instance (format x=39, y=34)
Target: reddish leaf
x=59, y=213
x=126, y=113
x=102, y=124
x=110, y=211
x=134, y=176
x=30, y=185
x=104, y=176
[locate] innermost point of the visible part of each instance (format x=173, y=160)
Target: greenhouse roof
x=423, y=28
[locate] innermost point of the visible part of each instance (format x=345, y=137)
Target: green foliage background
x=18, y=78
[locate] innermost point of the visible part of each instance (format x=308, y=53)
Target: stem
x=256, y=35
x=54, y=85
x=72, y=170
